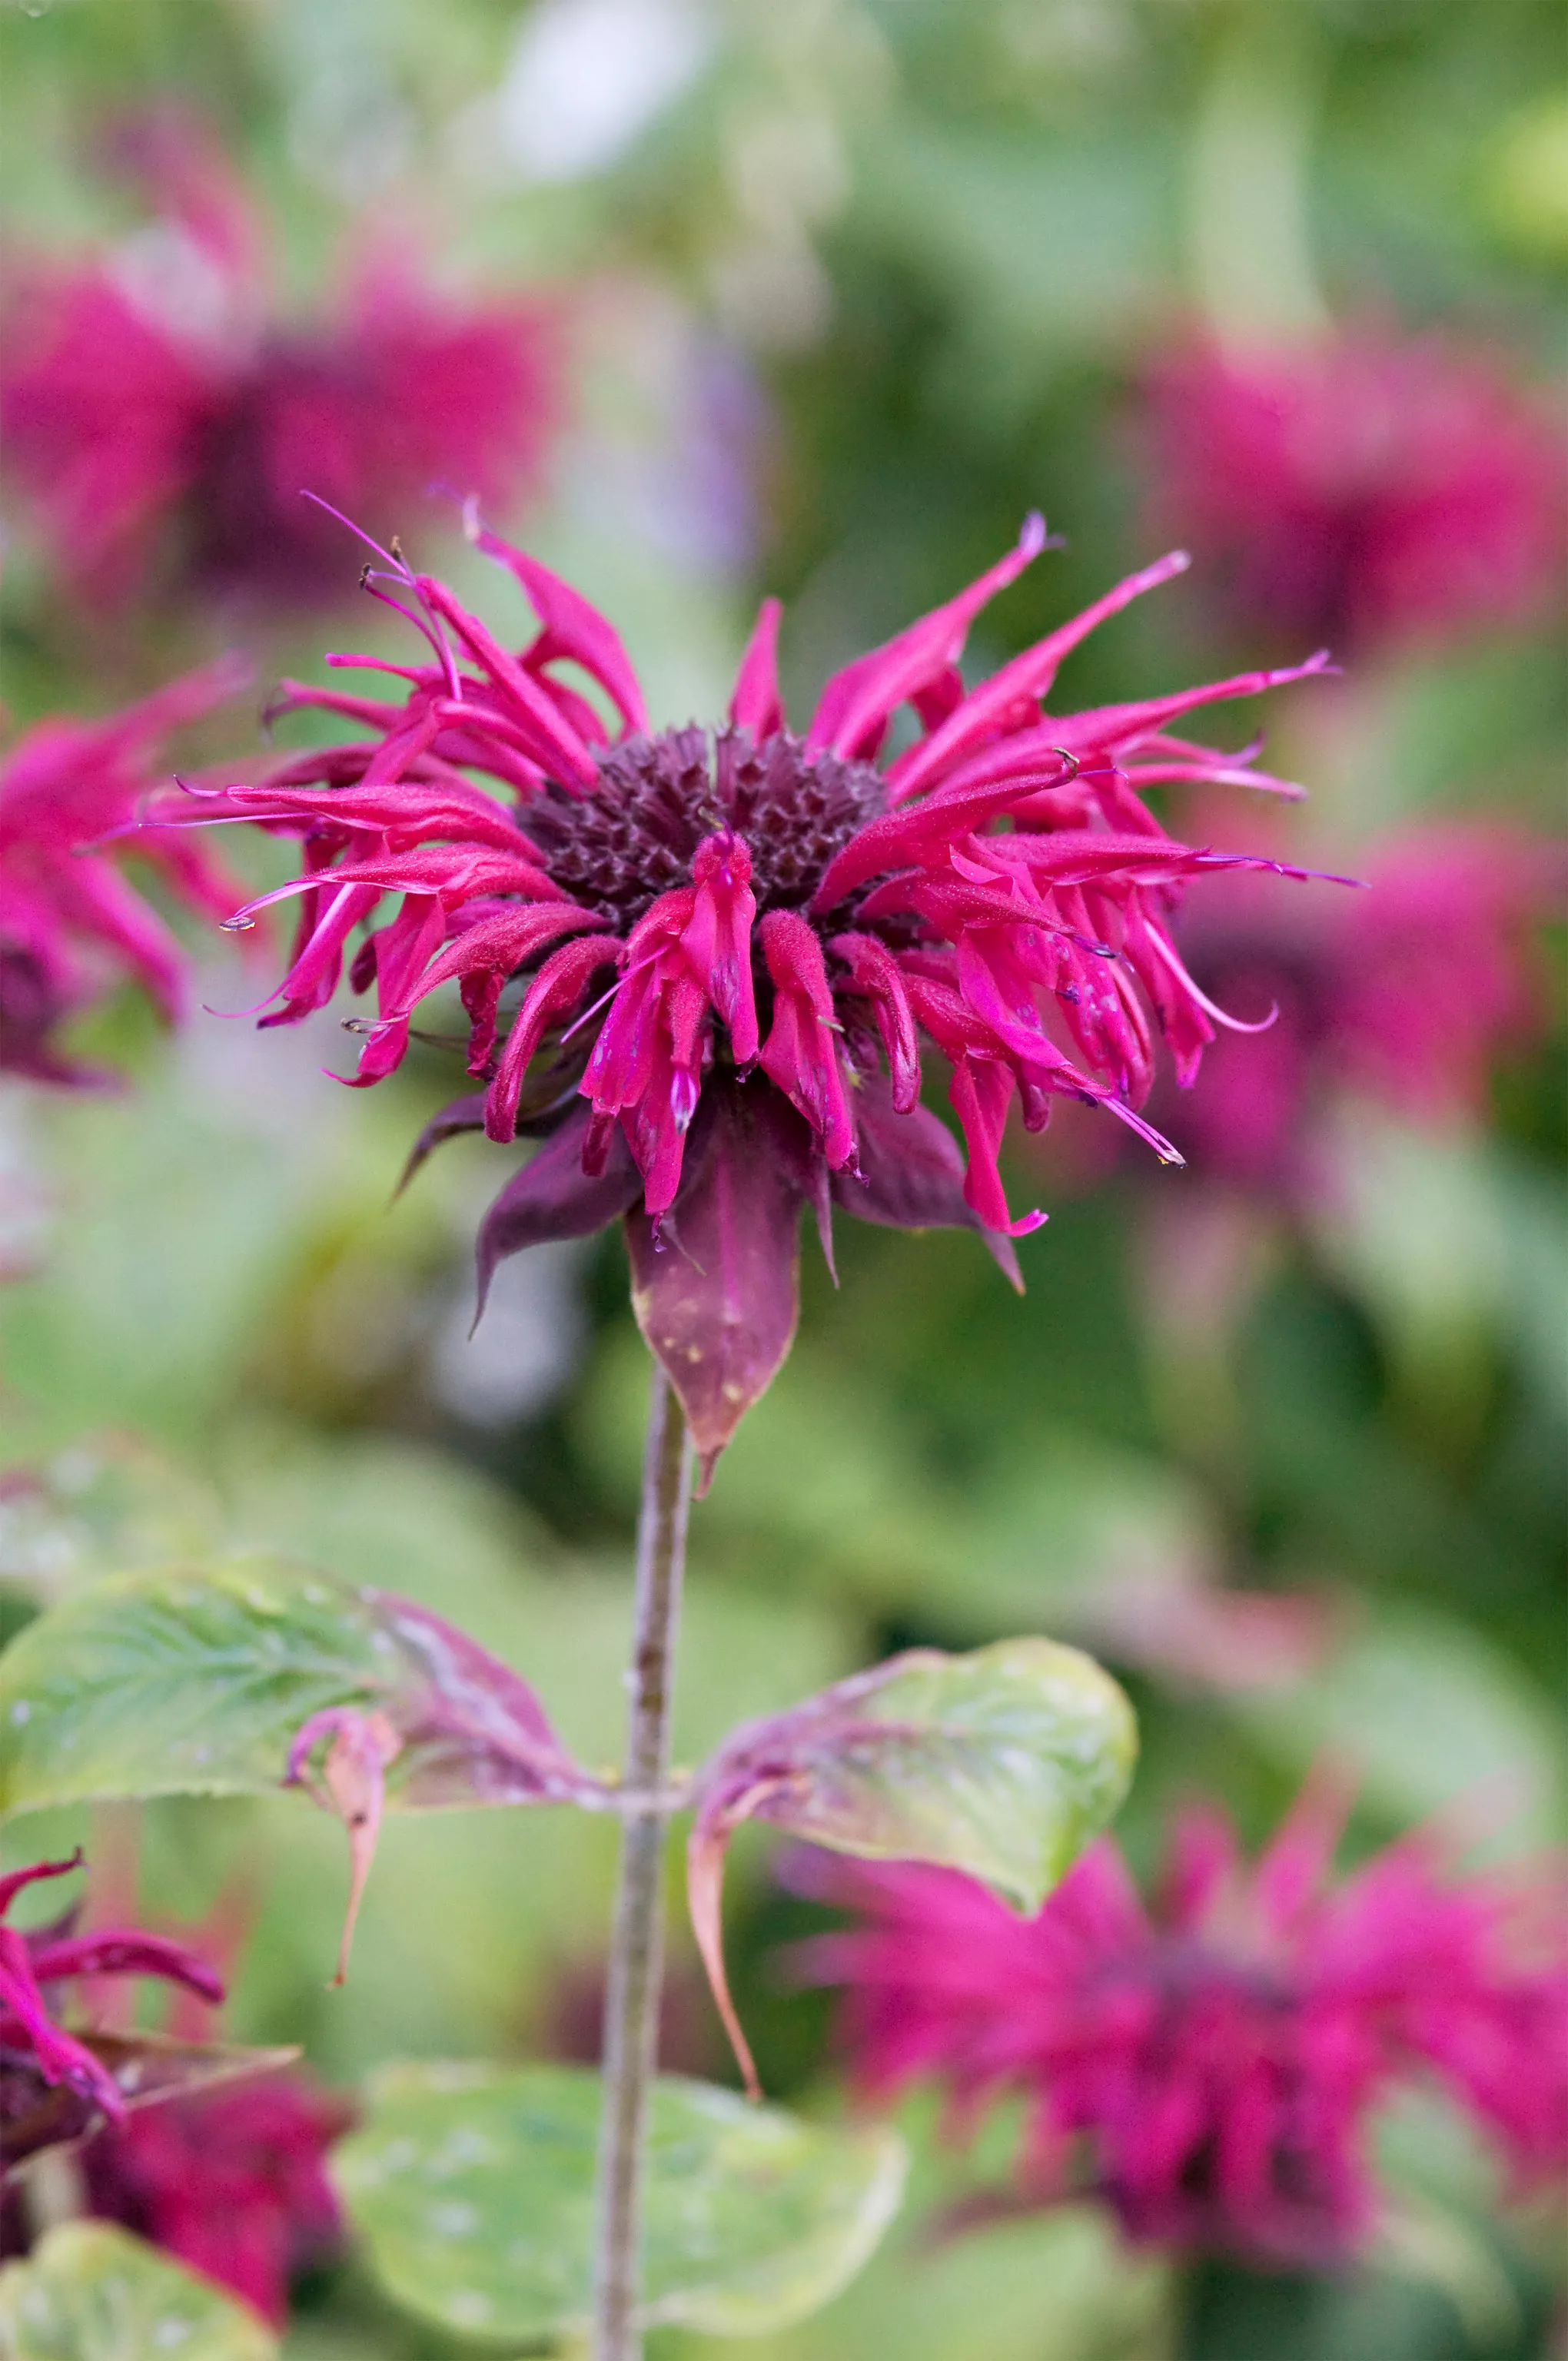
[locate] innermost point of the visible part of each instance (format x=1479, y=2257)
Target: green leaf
x=92, y=2293
x=195, y=1680
x=1003, y=1762
x=474, y=2187
x=189, y=1680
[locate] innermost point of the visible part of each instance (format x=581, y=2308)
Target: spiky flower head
x=70, y=924
x=31, y=1966
x=1370, y=997
x=232, y=2181
x=162, y=407
x=726, y=952
x=1371, y=488
x=1206, y=2062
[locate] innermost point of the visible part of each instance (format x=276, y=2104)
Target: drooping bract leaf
x=220, y=1680
x=92, y=2292
x=1003, y=1762
x=474, y=2188
x=148, y=2068
x=195, y=1681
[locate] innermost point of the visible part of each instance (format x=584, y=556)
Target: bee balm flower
x=1207, y=2063
x=163, y=413
x=1370, y=997
x=31, y=1964
x=232, y=2181
x=730, y=949
x=1367, y=490
x=69, y=922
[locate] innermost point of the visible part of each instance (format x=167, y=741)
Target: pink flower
x=1207, y=2063
x=31, y=1965
x=1368, y=491
x=70, y=925
x=164, y=417
x=1407, y=994
x=729, y=952
x=231, y=2180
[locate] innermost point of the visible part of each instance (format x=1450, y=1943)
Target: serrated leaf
x=195, y=1680
x=474, y=2189
x=1003, y=1762
x=148, y=2068
x=92, y=2293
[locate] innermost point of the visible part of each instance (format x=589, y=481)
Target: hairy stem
x=636, y=1957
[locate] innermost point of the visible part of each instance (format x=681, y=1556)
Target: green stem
x=636, y=1958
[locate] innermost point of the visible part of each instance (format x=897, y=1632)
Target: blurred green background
x=847, y=287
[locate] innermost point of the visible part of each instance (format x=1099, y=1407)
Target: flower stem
x=637, y=1944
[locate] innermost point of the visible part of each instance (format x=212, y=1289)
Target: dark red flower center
x=617, y=849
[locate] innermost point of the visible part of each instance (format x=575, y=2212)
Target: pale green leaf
x=474, y=2187
x=1004, y=1764
x=92, y=2293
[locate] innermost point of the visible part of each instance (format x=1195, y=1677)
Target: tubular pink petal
x=898, y=838
x=1120, y=725
x=59, y=2058
x=982, y=1092
x=558, y=987
x=854, y=707
x=549, y=736
x=717, y=939
x=1028, y=676
x=572, y=628
x=351, y=1785
x=127, y=1951
x=873, y=970
x=801, y=1052
x=458, y=872
x=1165, y=949
x=497, y=945
x=16, y=1880
x=756, y=705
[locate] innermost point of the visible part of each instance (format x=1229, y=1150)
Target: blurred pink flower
x=32, y=1965
x=71, y=926
x=165, y=417
x=1207, y=2063
x=1408, y=992
x=1371, y=489
x=731, y=947
x=231, y=2180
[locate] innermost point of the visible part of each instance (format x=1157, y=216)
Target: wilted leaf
x=222, y=1680
x=148, y=2068
x=1003, y=1762
x=196, y=1680
x=473, y=2186
x=92, y=2293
